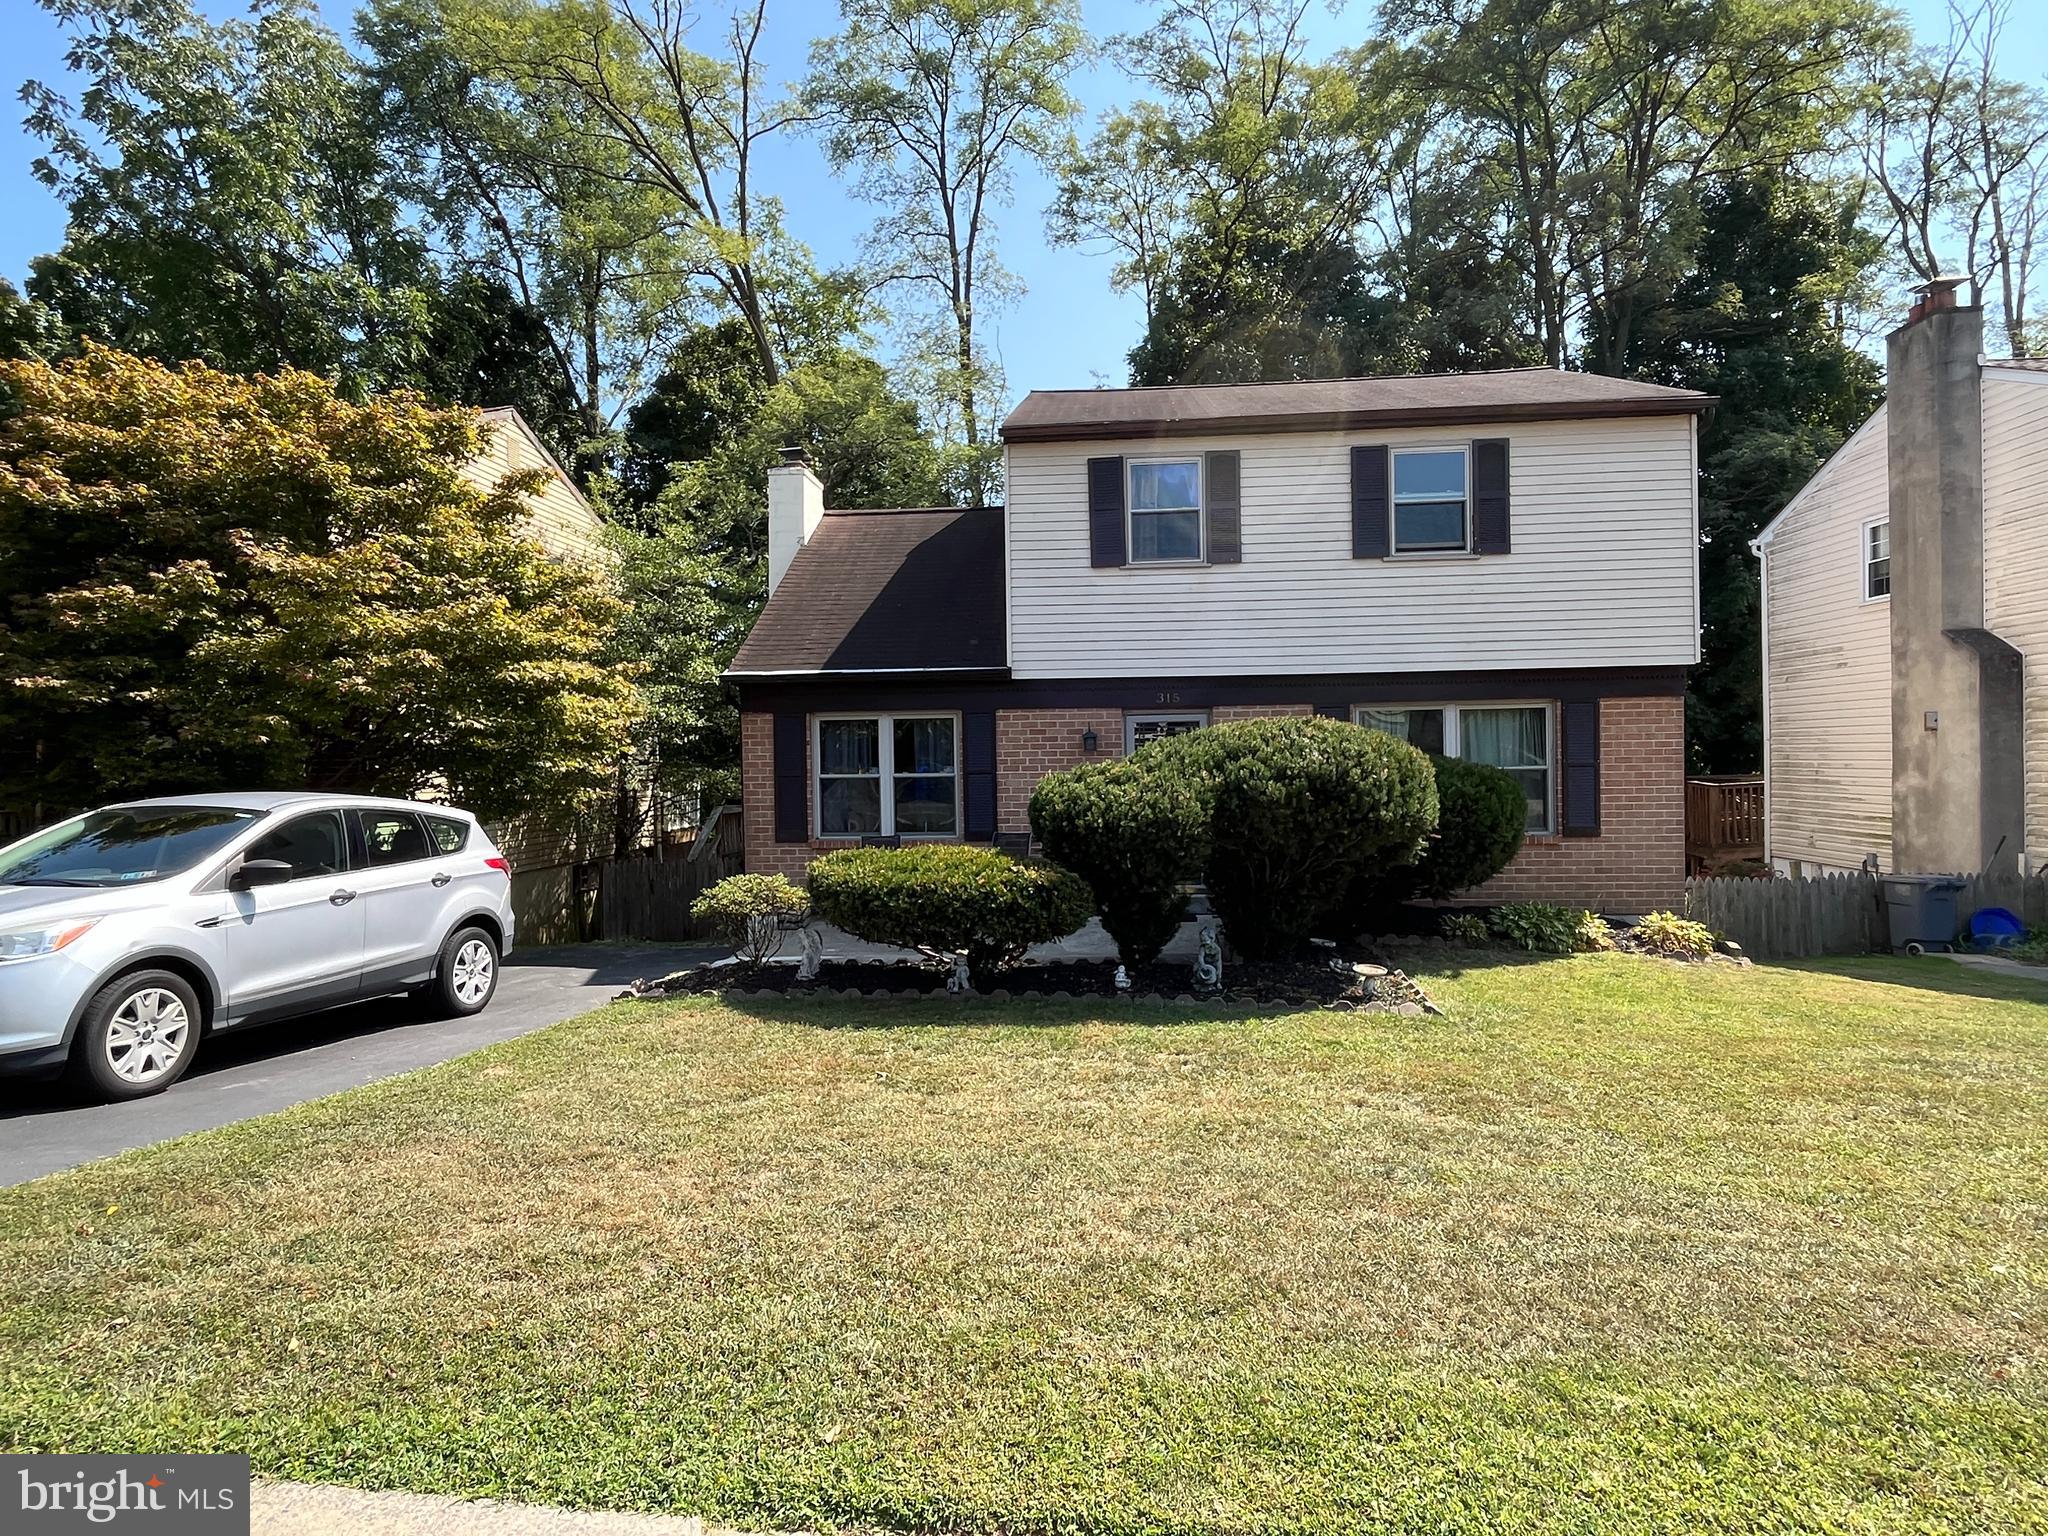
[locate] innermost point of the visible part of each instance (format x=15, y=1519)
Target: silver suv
x=127, y=933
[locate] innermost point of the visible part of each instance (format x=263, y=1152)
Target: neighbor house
x=1498, y=566
x=559, y=517
x=1904, y=589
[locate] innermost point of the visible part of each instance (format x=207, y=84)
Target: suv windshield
x=122, y=847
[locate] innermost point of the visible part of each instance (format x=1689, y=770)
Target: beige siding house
x=544, y=850
x=1905, y=598
x=559, y=518
x=1498, y=567
x=1828, y=666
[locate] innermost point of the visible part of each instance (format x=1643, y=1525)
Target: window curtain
x=1506, y=738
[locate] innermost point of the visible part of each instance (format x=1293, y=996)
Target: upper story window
x=1877, y=559
x=1431, y=500
x=1165, y=510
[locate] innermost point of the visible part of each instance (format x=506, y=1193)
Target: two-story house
x=1496, y=566
x=1905, y=588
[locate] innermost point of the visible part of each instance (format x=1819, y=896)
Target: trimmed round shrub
x=950, y=898
x=1481, y=816
x=1135, y=834
x=1297, y=809
x=748, y=912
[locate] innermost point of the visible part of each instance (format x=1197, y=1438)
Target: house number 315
x=1167, y=696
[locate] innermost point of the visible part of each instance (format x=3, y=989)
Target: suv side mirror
x=255, y=872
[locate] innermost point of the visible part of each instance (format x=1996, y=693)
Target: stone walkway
x=308, y=1509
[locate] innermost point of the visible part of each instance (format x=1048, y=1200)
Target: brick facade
x=1636, y=864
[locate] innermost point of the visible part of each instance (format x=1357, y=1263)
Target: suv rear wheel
x=466, y=979
x=138, y=1035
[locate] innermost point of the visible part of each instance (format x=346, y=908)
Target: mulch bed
x=1306, y=983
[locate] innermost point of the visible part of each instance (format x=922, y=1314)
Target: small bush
x=950, y=898
x=1481, y=818
x=1296, y=809
x=1467, y=928
x=1135, y=834
x=1551, y=930
x=1666, y=933
x=748, y=913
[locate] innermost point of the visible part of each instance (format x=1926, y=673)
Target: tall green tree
x=224, y=198
x=526, y=187
x=694, y=552
x=1598, y=124
x=933, y=104
x=210, y=578
x=1751, y=321
x=1230, y=197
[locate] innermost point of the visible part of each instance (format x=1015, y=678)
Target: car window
x=393, y=837
x=123, y=847
x=448, y=834
x=313, y=845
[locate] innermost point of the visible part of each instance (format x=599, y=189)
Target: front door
x=297, y=945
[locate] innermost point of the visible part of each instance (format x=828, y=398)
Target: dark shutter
x=979, y=760
x=1581, y=729
x=792, y=803
x=1490, y=495
x=1106, y=511
x=1333, y=711
x=1370, y=537
x=1222, y=489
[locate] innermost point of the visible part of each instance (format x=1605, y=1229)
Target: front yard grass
x=1617, y=1246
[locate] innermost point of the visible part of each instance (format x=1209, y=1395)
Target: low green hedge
x=950, y=898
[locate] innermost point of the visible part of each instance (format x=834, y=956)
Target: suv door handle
x=443, y=879
x=342, y=898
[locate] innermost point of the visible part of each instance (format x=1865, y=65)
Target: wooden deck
x=1724, y=822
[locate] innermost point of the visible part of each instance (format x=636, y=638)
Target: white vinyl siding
x=1602, y=573
x=1829, y=656
x=2016, y=561
x=558, y=518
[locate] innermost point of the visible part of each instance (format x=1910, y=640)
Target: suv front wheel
x=467, y=977
x=138, y=1035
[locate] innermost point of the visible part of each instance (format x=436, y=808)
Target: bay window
x=887, y=775
x=1516, y=738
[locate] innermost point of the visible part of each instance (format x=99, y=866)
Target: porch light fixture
x=1089, y=741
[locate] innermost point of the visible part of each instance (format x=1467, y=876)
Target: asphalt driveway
x=45, y=1127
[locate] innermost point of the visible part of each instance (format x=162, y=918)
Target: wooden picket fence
x=1837, y=914
x=648, y=898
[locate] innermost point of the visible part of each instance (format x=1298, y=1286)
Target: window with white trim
x=1139, y=729
x=1518, y=739
x=1877, y=560
x=1432, y=501
x=887, y=775
x=1165, y=511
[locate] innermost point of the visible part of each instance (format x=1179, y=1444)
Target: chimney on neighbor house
x=1956, y=706
x=796, y=504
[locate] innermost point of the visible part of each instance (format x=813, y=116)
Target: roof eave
x=1355, y=421
x=883, y=674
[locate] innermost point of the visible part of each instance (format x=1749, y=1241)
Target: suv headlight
x=27, y=943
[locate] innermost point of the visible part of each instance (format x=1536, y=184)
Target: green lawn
x=1615, y=1246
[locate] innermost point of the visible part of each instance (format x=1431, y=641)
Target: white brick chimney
x=796, y=504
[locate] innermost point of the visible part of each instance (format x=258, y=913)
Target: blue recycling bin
x=1921, y=911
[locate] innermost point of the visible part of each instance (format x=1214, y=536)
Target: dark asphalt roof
x=1515, y=394
x=910, y=590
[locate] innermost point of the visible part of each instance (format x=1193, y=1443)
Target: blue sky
x=1066, y=330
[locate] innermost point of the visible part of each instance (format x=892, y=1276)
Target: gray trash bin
x=1921, y=911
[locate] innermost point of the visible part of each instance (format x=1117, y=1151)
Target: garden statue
x=1209, y=960
x=813, y=942
x=956, y=980
x=1123, y=979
